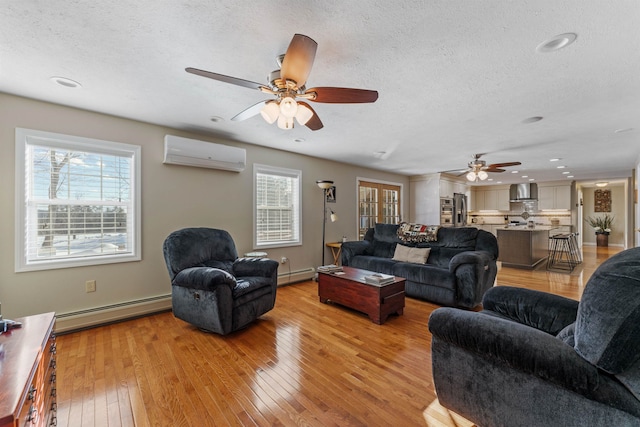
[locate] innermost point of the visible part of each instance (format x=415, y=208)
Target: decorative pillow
x=417, y=233
x=409, y=254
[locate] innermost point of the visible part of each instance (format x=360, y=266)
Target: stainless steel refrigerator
x=459, y=210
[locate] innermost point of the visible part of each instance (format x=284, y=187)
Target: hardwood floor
x=302, y=364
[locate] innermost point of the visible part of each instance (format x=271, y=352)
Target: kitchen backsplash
x=539, y=218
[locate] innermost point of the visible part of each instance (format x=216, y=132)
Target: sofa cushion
x=386, y=233
x=381, y=249
x=416, y=233
x=425, y=274
x=458, y=237
x=610, y=339
x=411, y=254
x=373, y=263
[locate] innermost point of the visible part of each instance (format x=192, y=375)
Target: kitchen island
x=523, y=247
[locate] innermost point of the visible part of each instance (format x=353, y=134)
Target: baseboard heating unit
x=286, y=277
x=66, y=322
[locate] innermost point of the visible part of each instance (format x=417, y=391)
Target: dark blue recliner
x=537, y=359
x=211, y=287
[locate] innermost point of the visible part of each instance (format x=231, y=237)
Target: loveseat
x=459, y=268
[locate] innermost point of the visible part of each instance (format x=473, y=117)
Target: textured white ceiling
x=454, y=77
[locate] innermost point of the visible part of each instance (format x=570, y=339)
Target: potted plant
x=602, y=226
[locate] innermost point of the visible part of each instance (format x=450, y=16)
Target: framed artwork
x=330, y=194
x=602, y=201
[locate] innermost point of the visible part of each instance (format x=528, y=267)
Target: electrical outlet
x=284, y=260
x=90, y=285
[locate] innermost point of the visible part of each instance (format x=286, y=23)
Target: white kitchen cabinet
x=490, y=199
x=554, y=197
x=503, y=199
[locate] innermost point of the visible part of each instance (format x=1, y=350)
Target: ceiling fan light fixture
x=270, y=112
x=483, y=175
x=471, y=176
x=304, y=114
x=288, y=107
x=285, y=122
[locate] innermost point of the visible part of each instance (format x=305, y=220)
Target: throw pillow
x=409, y=254
x=401, y=253
x=417, y=233
x=419, y=255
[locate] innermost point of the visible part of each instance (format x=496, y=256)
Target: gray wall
x=172, y=197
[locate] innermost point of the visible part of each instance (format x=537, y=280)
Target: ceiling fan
x=478, y=169
x=287, y=84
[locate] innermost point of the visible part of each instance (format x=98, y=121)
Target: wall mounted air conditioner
x=201, y=154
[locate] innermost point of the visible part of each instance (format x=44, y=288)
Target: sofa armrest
x=258, y=267
x=481, y=258
x=203, y=278
x=518, y=346
x=351, y=249
x=547, y=312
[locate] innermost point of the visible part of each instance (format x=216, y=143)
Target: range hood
x=523, y=192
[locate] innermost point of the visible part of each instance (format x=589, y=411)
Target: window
x=77, y=201
x=377, y=202
x=277, y=206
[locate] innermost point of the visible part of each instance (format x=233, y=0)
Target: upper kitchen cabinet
x=450, y=186
x=490, y=198
x=554, y=196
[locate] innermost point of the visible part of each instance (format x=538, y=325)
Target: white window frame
x=297, y=206
x=26, y=137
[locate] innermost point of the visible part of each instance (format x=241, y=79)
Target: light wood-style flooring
x=302, y=364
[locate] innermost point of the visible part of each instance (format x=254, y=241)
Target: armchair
x=532, y=358
x=211, y=287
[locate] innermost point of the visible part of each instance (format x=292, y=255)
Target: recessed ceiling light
x=514, y=171
x=556, y=43
x=566, y=173
x=490, y=179
x=555, y=160
x=63, y=81
x=561, y=167
x=499, y=182
x=601, y=184
x=569, y=176
x=532, y=119
x=216, y=119
x=531, y=179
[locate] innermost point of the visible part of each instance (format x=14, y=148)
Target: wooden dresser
x=28, y=373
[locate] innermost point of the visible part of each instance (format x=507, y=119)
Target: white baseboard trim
x=286, y=277
x=66, y=322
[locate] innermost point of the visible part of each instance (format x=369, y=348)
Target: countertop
x=527, y=228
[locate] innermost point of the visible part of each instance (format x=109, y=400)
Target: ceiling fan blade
x=225, y=79
x=503, y=165
x=342, y=95
x=249, y=112
x=314, y=122
x=298, y=59
x=494, y=170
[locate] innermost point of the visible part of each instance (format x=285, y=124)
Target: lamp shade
x=334, y=217
x=471, y=176
x=288, y=107
x=304, y=114
x=324, y=184
x=270, y=112
x=285, y=122
x=483, y=175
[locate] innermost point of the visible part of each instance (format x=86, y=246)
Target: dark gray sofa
x=538, y=359
x=460, y=268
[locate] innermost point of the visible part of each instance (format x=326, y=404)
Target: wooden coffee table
x=349, y=289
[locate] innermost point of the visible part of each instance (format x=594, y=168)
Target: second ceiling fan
x=288, y=84
x=479, y=170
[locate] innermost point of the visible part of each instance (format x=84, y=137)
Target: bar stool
x=563, y=252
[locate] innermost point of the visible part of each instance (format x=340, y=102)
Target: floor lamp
x=325, y=186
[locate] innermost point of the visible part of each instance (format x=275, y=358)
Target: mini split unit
x=201, y=154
